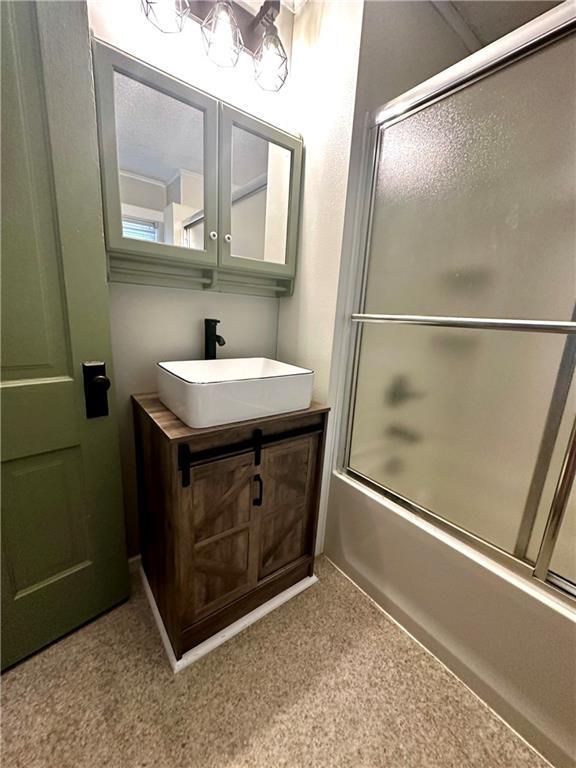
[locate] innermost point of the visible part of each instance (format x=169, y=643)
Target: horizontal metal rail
x=487, y=323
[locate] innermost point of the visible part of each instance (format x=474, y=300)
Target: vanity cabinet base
x=230, y=630
x=228, y=514
x=275, y=585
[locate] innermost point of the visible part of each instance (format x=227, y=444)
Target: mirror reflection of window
x=260, y=197
x=140, y=229
x=161, y=165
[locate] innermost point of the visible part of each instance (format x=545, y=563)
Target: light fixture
x=221, y=34
x=228, y=28
x=271, y=61
x=166, y=15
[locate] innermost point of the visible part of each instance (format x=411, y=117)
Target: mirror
x=196, y=193
x=260, y=197
x=160, y=165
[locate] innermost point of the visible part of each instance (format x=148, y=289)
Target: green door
x=63, y=551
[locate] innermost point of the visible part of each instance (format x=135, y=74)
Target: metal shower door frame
x=546, y=29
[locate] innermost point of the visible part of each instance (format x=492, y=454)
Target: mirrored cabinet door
x=158, y=146
x=260, y=170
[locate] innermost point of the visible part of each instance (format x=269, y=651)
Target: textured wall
x=403, y=43
x=121, y=23
x=151, y=324
x=324, y=65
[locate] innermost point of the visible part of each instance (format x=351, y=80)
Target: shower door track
x=557, y=588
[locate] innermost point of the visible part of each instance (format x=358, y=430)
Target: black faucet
x=211, y=338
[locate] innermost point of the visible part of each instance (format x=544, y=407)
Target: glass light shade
x=271, y=61
x=166, y=15
x=222, y=36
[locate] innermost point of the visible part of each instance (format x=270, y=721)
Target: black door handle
x=257, y=502
x=96, y=386
x=102, y=382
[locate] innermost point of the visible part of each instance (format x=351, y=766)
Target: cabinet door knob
x=213, y=235
x=228, y=238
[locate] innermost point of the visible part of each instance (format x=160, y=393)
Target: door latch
x=257, y=437
x=257, y=502
x=96, y=386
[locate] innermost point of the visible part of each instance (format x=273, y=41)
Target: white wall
x=121, y=23
x=150, y=324
x=259, y=222
x=277, y=202
x=248, y=225
x=136, y=190
x=323, y=79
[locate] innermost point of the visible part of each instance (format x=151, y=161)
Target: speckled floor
x=325, y=681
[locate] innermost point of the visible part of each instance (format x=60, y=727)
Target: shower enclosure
x=460, y=395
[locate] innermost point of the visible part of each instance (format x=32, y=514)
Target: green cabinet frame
x=214, y=267
x=230, y=117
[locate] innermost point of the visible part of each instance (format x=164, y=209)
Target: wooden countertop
x=174, y=429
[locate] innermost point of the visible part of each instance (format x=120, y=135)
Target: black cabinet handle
x=257, y=502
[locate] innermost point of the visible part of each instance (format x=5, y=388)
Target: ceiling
x=158, y=136
x=294, y=6
x=488, y=19
x=480, y=22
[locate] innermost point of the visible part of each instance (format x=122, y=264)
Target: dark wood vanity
x=228, y=514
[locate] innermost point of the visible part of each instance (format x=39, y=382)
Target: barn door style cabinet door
x=196, y=193
x=228, y=514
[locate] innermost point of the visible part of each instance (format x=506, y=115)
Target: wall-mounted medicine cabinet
x=196, y=193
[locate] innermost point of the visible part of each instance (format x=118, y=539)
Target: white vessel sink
x=205, y=393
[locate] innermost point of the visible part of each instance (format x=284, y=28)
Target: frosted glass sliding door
x=475, y=198
x=473, y=220
x=451, y=419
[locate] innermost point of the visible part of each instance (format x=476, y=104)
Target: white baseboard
x=225, y=634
